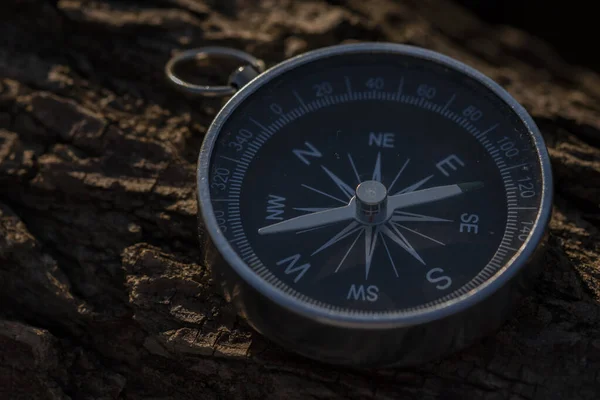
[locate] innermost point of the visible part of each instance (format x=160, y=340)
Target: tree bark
x=102, y=291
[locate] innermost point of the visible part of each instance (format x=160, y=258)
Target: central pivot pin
x=371, y=202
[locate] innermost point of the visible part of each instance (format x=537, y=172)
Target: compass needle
x=436, y=170
x=429, y=195
x=324, y=217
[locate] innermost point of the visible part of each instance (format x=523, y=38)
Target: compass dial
x=373, y=184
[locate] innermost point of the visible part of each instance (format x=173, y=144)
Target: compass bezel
x=373, y=321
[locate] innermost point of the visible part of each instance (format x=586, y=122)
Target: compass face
x=372, y=183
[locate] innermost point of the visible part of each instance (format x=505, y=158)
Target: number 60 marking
x=426, y=91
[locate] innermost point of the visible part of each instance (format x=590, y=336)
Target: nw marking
x=275, y=207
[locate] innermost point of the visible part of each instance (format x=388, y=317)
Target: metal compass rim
x=396, y=319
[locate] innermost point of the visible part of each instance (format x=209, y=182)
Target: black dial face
x=374, y=183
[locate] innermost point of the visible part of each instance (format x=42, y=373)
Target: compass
x=373, y=204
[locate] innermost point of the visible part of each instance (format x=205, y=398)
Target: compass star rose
x=372, y=213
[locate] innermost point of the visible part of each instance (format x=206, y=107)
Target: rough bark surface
x=102, y=294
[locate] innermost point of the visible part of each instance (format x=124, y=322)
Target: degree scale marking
x=511, y=226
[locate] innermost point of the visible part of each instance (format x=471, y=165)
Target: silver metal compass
x=371, y=204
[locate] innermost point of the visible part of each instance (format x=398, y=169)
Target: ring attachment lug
x=238, y=78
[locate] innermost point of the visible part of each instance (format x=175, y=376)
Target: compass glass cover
x=374, y=183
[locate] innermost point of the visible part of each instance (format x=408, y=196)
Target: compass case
x=372, y=346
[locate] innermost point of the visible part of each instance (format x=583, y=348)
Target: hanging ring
x=204, y=53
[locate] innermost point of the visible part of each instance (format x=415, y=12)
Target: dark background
x=570, y=26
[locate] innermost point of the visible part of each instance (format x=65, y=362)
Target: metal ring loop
x=202, y=53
